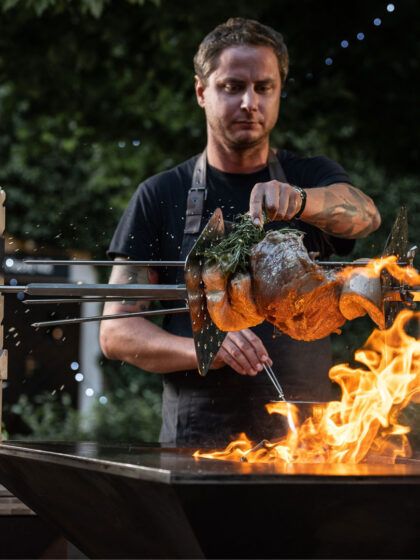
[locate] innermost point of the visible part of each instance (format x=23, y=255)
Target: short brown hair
x=238, y=31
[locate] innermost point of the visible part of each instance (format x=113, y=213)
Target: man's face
x=242, y=97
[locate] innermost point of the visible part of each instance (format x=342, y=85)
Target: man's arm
x=137, y=340
x=140, y=342
x=340, y=209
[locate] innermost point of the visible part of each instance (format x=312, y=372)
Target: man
x=240, y=67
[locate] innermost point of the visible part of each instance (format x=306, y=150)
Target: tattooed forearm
x=129, y=274
x=341, y=210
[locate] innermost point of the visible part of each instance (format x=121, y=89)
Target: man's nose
x=249, y=99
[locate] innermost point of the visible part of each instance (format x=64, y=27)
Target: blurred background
x=97, y=95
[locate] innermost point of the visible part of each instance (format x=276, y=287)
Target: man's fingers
x=293, y=207
x=256, y=204
x=228, y=359
x=264, y=196
x=289, y=202
x=280, y=201
x=271, y=199
x=241, y=357
x=258, y=346
x=244, y=352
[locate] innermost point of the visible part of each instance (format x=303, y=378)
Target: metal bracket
x=397, y=244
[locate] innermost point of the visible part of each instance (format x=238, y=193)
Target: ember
x=363, y=426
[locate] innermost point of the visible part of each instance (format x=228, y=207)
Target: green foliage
x=90, y=106
x=4, y=434
x=128, y=410
x=48, y=417
x=133, y=408
x=86, y=7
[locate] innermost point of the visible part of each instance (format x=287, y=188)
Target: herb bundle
x=231, y=253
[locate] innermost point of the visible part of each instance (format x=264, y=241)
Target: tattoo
x=346, y=212
x=128, y=274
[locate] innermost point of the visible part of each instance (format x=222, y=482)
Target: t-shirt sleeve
x=322, y=172
x=137, y=234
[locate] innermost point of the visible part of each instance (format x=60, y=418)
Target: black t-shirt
x=151, y=228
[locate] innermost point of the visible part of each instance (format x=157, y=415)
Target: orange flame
x=372, y=269
x=364, y=425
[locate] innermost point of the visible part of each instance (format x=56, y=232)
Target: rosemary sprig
x=232, y=252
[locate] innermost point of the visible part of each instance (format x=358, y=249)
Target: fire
x=364, y=425
x=373, y=268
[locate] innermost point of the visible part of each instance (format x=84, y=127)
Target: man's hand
x=243, y=351
x=279, y=200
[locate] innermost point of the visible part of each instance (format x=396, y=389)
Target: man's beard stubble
x=239, y=145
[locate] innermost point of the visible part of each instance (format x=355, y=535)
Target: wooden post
x=3, y=352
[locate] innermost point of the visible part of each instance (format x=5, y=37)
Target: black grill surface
x=150, y=501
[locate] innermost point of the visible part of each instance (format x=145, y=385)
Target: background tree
x=97, y=95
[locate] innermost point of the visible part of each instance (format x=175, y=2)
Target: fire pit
x=148, y=501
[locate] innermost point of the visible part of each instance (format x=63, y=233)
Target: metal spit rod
x=173, y=291
x=102, y=263
x=174, y=263
x=356, y=264
x=150, y=313
x=90, y=299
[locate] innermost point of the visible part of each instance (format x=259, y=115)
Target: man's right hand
x=243, y=351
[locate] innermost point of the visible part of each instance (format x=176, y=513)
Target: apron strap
x=195, y=209
x=196, y=196
x=275, y=168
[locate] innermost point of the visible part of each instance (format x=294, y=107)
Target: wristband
x=302, y=194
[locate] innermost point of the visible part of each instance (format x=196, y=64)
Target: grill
x=149, y=501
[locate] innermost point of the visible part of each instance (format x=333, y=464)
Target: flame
x=372, y=269
x=363, y=426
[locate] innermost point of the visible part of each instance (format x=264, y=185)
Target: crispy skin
x=291, y=291
x=242, y=300
x=229, y=301
x=351, y=304
x=350, y=308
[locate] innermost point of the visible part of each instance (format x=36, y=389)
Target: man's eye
x=232, y=88
x=263, y=89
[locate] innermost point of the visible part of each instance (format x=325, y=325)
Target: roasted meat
x=362, y=294
x=291, y=290
x=285, y=286
x=229, y=299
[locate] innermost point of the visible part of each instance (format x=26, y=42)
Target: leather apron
x=211, y=410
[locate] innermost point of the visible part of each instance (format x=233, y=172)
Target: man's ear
x=199, y=91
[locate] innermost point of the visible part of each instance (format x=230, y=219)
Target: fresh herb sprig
x=232, y=252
